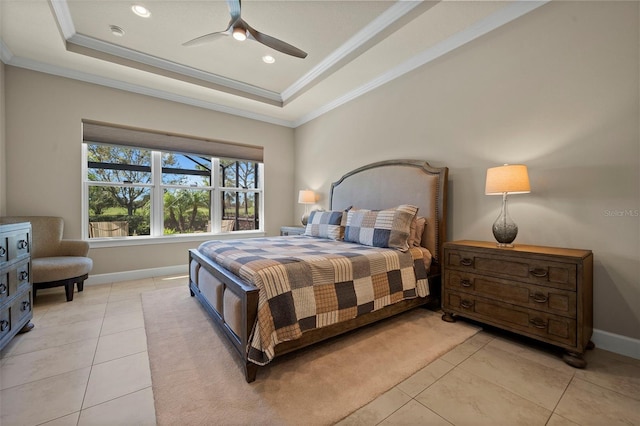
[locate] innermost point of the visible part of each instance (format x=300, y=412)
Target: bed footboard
x=231, y=304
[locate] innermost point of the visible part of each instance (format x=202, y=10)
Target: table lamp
x=504, y=180
x=306, y=197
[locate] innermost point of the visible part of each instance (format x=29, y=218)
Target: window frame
x=157, y=208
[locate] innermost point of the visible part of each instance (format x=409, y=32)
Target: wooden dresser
x=545, y=293
x=15, y=281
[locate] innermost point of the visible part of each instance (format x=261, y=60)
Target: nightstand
x=292, y=230
x=545, y=293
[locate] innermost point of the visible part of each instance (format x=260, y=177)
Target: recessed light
x=116, y=30
x=268, y=59
x=140, y=10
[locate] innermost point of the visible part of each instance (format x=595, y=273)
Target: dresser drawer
x=546, y=299
x=14, y=245
x=552, y=328
x=527, y=269
x=5, y=323
x=13, y=279
x=21, y=309
x=15, y=315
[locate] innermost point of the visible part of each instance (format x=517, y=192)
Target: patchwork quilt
x=307, y=282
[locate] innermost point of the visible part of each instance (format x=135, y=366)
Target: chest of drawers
x=545, y=293
x=15, y=281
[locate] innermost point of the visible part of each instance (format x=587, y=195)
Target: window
x=131, y=191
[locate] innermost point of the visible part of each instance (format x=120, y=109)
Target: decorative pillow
x=325, y=224
x=382, y=228
x=417, y=231
x=343, y=222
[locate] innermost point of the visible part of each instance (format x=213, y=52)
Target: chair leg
x=80, y=285
x=68, y=289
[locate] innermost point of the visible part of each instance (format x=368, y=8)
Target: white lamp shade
x=306, y=196
x=510, y=178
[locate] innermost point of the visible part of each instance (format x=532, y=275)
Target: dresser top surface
x=12, y=226
x=520, y=248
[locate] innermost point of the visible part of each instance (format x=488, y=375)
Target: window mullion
x=157, y=199
x=85, y=193
x=261, y=195
x=216, y=207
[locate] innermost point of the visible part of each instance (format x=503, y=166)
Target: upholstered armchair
x=55, y=261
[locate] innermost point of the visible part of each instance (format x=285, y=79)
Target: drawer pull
x=465, y=283
x=538, y=272
x=25, y=305
x=539, y=298
x=4, y=324
x=22, y=244
x=538, y=323
x=3, y=251
x=3, y=288
x=23, y=275
x=465, y=261
x=465, y=304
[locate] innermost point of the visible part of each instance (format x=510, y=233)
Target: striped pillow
x=323, y=224
x=381, y=228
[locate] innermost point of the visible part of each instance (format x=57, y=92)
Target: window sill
x=170, y=239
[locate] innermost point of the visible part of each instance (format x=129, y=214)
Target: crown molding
x=142, y=90
x=480, y=28
x=375, y=27
x=62, y=14
x=89, y=46
x=5, y=53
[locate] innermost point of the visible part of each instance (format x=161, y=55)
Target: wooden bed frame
x=233, y=303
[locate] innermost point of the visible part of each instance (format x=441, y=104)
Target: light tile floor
x=86, y=363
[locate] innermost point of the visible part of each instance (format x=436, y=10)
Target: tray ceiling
x=353, y=46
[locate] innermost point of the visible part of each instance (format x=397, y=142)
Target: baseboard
x=115, y=277
x=617, y=343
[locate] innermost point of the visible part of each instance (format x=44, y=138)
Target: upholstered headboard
x=390, y=183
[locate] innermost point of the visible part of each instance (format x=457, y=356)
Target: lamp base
x=504, y=245
x=305, y=218
x=504, y=229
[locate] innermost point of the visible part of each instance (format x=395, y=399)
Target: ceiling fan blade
x=206, y=38
x=276, y=44
x=234, y=9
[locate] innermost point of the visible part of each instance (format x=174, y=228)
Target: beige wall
x=556, y=90
x=43, y=116
x=3, y=195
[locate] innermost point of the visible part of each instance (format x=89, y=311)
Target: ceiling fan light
x=239, y=34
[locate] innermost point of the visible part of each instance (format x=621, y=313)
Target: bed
x=258, y=290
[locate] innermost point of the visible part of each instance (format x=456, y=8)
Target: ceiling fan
x=240, y=30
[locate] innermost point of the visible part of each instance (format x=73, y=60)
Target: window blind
x=141, y=138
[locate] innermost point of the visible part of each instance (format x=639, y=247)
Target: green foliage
x=186, y=210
